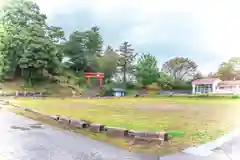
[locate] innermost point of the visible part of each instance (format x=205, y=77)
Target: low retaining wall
x=176, y=92
x=74, y=123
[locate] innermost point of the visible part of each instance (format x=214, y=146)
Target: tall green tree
x=74, y=49
x=30, y=45
x=83, y=50
x=147, y=71
x=3, y=67
x=93, y=41
x=180, y=68
x=229, y=70
x=127, y=57
x=108, y=62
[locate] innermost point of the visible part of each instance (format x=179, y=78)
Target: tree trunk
x=124, y=73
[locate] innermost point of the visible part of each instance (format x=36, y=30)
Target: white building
x=215, y=85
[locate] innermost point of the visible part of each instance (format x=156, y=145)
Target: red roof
x=205, y=81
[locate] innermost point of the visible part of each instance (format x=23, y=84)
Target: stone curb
x=95, y=127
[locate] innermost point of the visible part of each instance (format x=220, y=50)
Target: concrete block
x=63, y=120
x=116, y=131
x=31, y=110
x=161, y=135
x=53, y=117
x=94, y=127
x=78, y=124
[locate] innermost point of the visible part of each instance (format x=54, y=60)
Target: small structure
x=215, y=85
x=117, y=92
x=229, y=87
x=205, y=85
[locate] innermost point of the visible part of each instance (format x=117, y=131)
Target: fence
x=164, y=92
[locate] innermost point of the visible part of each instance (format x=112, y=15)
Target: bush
x=181, y=85
x=104, y=91
x=130, y=85
x=89, y=86
x=235, y=96
x=46, y=92
x=131, y=93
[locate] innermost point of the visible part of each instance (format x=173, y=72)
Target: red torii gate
x=99, y=76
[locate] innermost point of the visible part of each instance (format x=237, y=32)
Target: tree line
x=32, y=50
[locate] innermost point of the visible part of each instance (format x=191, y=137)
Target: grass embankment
x=53, y=89
x=199, y=120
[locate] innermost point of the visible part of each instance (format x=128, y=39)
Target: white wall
x=193, y=89
x=229, y=90
x=118, y=94
x=215, y=88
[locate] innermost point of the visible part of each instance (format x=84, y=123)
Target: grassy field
x=190, y=121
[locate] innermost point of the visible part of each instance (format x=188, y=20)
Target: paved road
x=22, y=139
x=25, y=139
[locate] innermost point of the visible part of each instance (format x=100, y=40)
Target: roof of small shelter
x=205, y=81
x=118, y=89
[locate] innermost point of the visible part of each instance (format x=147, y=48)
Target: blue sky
x=207, y=31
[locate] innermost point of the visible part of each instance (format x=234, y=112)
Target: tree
x=229, y=70
x=30, y=45
x=93, y=41
x=3, y=67
x=165, y=81
x=197, y=75
x=226, y=71
x=212, y=75
x=127, y=57
x=147, y=71
x=108, y=63
x=180, y=68
x=83, y=50
x=74, y=49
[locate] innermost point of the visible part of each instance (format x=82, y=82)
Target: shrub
x=130, y=85
x=89, y=86
x=235, y=96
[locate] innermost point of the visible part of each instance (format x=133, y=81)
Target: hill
x=51, y=89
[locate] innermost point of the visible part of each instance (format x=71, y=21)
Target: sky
x=206, y=31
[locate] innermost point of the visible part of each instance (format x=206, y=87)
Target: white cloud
x=209, y=28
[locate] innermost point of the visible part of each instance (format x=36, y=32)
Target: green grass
x=189, y=121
